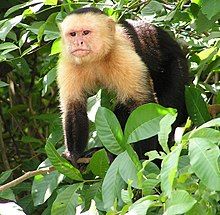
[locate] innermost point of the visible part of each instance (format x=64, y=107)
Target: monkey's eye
x=86, y=32
x=73, y=34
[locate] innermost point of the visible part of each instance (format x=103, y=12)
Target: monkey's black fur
x=87, y=10
x=168, y=68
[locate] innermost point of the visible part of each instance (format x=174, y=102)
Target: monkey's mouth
x=80, y=52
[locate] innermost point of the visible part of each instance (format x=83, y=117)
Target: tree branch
x=26, y=176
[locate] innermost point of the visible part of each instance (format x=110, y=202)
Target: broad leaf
x=66, y=201
x=62, y=165
x=8, y=25
x=56, y=47
x=210, y=134
x=44, y=185
x=169, y=170
x=99, y=163
x=179, y=203
x=210, y=8
x=4, y=176
x=144, y=122
x=196, y=106
x=20, y=6
x=204, y=161
x=48, y=79
x=7, y=194
x=112, y=184
x=165, y=129
x=211, y=123
x=109, y=130
x=125, y=165
x=141, y=206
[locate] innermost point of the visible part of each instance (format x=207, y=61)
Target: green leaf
x=62, y=165
x=211, y=123
x=8, y=45
x=66, y=201
x=202, y=23
x=206, y=133
x=144, y=122
x=149, y=184
x=127, y=195
x=4, y=176
x=32, y=10
x=48, y=79
x=210, y=8
x=20, y=6
x=125, y=165
x=90, y=192
x=30, y=49
x=3, y=84
x=109, y=130
x=169, y=170
x=8, y=25
x=50, y=2
x=204, y=54
x=44, y=185
x=7, y=194
x=49, y=29
x=99, y=163
x=21, y=65
x=196, y=106
x=165, y=129
x=112, y=184
x=141, y=206
x=56, y=47
x=204, y=161
x=179, y=203
x=29, y=139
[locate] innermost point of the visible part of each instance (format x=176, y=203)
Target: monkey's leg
x=76, y=130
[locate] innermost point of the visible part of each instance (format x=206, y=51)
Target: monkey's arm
x=76, y=129
x=74, y=114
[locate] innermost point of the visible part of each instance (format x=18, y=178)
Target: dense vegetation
x=30, y=128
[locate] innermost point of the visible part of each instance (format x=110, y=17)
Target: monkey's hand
x=71, y=157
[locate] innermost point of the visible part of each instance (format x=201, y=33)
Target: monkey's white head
x=87, y=37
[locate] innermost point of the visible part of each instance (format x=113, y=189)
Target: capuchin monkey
x=140, y=62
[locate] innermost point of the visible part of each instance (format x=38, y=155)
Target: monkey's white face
x=87, y=37
x=79, y=42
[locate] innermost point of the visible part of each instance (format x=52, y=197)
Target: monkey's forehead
x=81, y=21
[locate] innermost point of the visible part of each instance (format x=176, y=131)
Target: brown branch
x=26, y=176
x=31, y=174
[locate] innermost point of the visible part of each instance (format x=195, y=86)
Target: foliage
x=188, y=181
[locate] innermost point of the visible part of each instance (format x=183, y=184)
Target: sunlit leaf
x=144, y=122
x=169, y=170
x=204, y=161
x=179, y=203
x=112, y=184
x=61, y=164
x=109, y=130
x=66, y=201
x=8, y=25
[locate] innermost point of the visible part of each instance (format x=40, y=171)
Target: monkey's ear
x=111, y=24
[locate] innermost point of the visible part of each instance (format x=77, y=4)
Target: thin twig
x=26, y=176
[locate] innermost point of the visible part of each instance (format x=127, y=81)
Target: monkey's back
x=165, y=61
